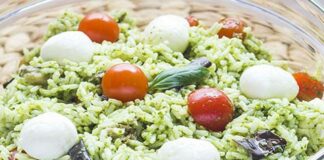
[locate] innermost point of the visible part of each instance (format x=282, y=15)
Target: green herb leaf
x=177, y=77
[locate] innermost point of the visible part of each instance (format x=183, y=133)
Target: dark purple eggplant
x=203, y=61
x=103, y=97
x=262, y=144
x=79, y=152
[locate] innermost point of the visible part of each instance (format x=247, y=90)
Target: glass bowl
x=23, y=27
x=26, y=24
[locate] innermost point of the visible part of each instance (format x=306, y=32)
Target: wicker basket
x=28, y=31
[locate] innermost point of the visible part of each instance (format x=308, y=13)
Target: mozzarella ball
x=188, y=149
x=169, y=29
x=267, y=81
x=72, y=45
x=48, y=136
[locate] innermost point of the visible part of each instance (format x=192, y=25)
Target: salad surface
x=101, y=88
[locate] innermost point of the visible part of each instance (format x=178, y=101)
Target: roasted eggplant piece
x=79, y=152
x=263, y=144
x=203, y=61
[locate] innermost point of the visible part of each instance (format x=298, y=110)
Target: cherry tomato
x=99, y=27
x=125, y=82
x=231, y=28
x=210, y=108
x=309, y=88
x=192, y=21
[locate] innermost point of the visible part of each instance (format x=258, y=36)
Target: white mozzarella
x=188, y=149
x=72, y=45
x=267, y=81
x=169, y=29
x=48, y=136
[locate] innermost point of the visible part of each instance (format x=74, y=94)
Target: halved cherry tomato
x=210, y=108
x=309, y=88
x=99, y=27
x=125, y=82
x=192, y=21
x=231, y=28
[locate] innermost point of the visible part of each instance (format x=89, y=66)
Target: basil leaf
x=177, y=77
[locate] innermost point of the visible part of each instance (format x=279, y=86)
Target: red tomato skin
x=309, y=88
x=99, y=27
x=192, y=21
x=124, y=82
x=210, y=108
x=231, y=28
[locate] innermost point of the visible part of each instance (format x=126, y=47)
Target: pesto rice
x=135, y=130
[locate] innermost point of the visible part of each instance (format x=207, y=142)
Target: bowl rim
x=313, y=43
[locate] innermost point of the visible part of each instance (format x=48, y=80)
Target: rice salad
x=135, y=130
